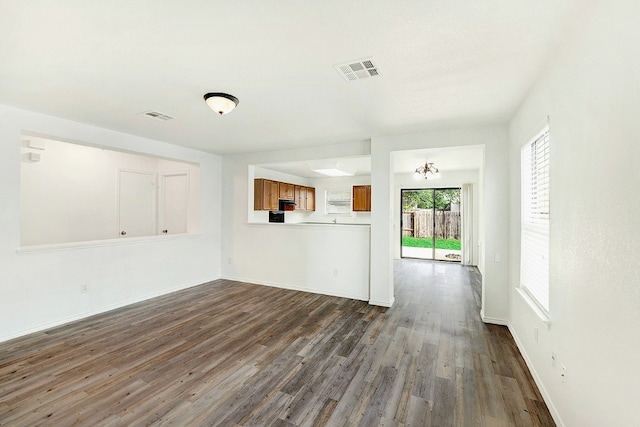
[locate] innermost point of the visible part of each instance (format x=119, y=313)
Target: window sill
x=544, y=318
x=99, y=243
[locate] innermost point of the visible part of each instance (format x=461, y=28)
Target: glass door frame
x=433, y=208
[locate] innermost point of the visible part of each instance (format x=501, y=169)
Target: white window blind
x=534, y=242
x=338, y=200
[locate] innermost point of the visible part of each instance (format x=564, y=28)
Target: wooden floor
x=229, y=353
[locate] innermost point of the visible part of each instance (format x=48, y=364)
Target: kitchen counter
x=325, y=258
x=305, y=224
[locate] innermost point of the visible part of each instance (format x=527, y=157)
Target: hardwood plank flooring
x=235, y=354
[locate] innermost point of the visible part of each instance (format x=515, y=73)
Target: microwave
x=276, y=216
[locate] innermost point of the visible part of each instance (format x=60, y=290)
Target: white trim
x=380, y=303
x=536, y=378
x=493, y=320
x=544, y=318
x=100, y=243
x=536, y=131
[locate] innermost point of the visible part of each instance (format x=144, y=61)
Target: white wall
x=323, y=184
x=42, y=288
x=591, y=93
x=449, y=179
x=493, y=232
x=303, y=257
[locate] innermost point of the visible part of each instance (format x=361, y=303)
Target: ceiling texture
x=442, y=63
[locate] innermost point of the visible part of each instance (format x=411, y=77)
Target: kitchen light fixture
x=331, y=168
x=427, y=171
x=333, y=172
x=221, y=103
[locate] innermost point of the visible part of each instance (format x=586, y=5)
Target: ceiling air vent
x=158, y=115
x=358, y=70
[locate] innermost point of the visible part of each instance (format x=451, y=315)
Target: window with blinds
x=534, y=242
x=338, y=200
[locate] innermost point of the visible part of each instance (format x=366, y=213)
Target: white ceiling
x=443, y=63
x=449, y=159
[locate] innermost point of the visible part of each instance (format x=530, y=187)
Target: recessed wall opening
x=70, y=192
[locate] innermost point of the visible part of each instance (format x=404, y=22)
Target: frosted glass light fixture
x=221, y=103
x=427, y=171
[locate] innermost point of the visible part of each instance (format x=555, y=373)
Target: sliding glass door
x=431, y=224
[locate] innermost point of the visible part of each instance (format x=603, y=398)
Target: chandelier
x=427, y=171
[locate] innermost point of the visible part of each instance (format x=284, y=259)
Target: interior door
x=136, y=204
x=174, y=196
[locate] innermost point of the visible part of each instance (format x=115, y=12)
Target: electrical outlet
x=335, y=272
x=564, y=375
x=84, y=288
x=229, y=261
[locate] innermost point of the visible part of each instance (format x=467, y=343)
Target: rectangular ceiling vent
x=158, y=115
x=358, y=70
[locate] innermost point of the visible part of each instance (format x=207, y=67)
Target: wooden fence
x=419, y=223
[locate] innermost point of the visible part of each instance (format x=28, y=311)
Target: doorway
x=431, y=224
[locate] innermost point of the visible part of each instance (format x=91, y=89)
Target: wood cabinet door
x=258, y=194
x=311, y=199
x=361, y=198
x=285, y=191
x=265, y=195
x=300, y=197
x=272, y=200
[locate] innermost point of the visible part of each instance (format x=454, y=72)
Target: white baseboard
x=527, y=360
x=493, y=320
x=104, y=309
x=299, y=288
x=536, y=378
x=382, y=303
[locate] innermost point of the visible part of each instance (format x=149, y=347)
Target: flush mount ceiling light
x=427, y=171
x=221, y=103
x=333, y=172
x=331, y=168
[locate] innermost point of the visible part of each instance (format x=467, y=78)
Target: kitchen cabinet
x=362, y=198
x=311, y=199
x=285, y=191
x=265, y=195
x=300, y=197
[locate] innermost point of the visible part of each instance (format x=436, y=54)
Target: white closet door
x=137, y=207
x=174, y=196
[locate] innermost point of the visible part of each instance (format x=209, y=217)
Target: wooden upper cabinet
x=300, y=197
x=311, y=199
x=265, y=195
x=285, y=191
x=362, y=198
